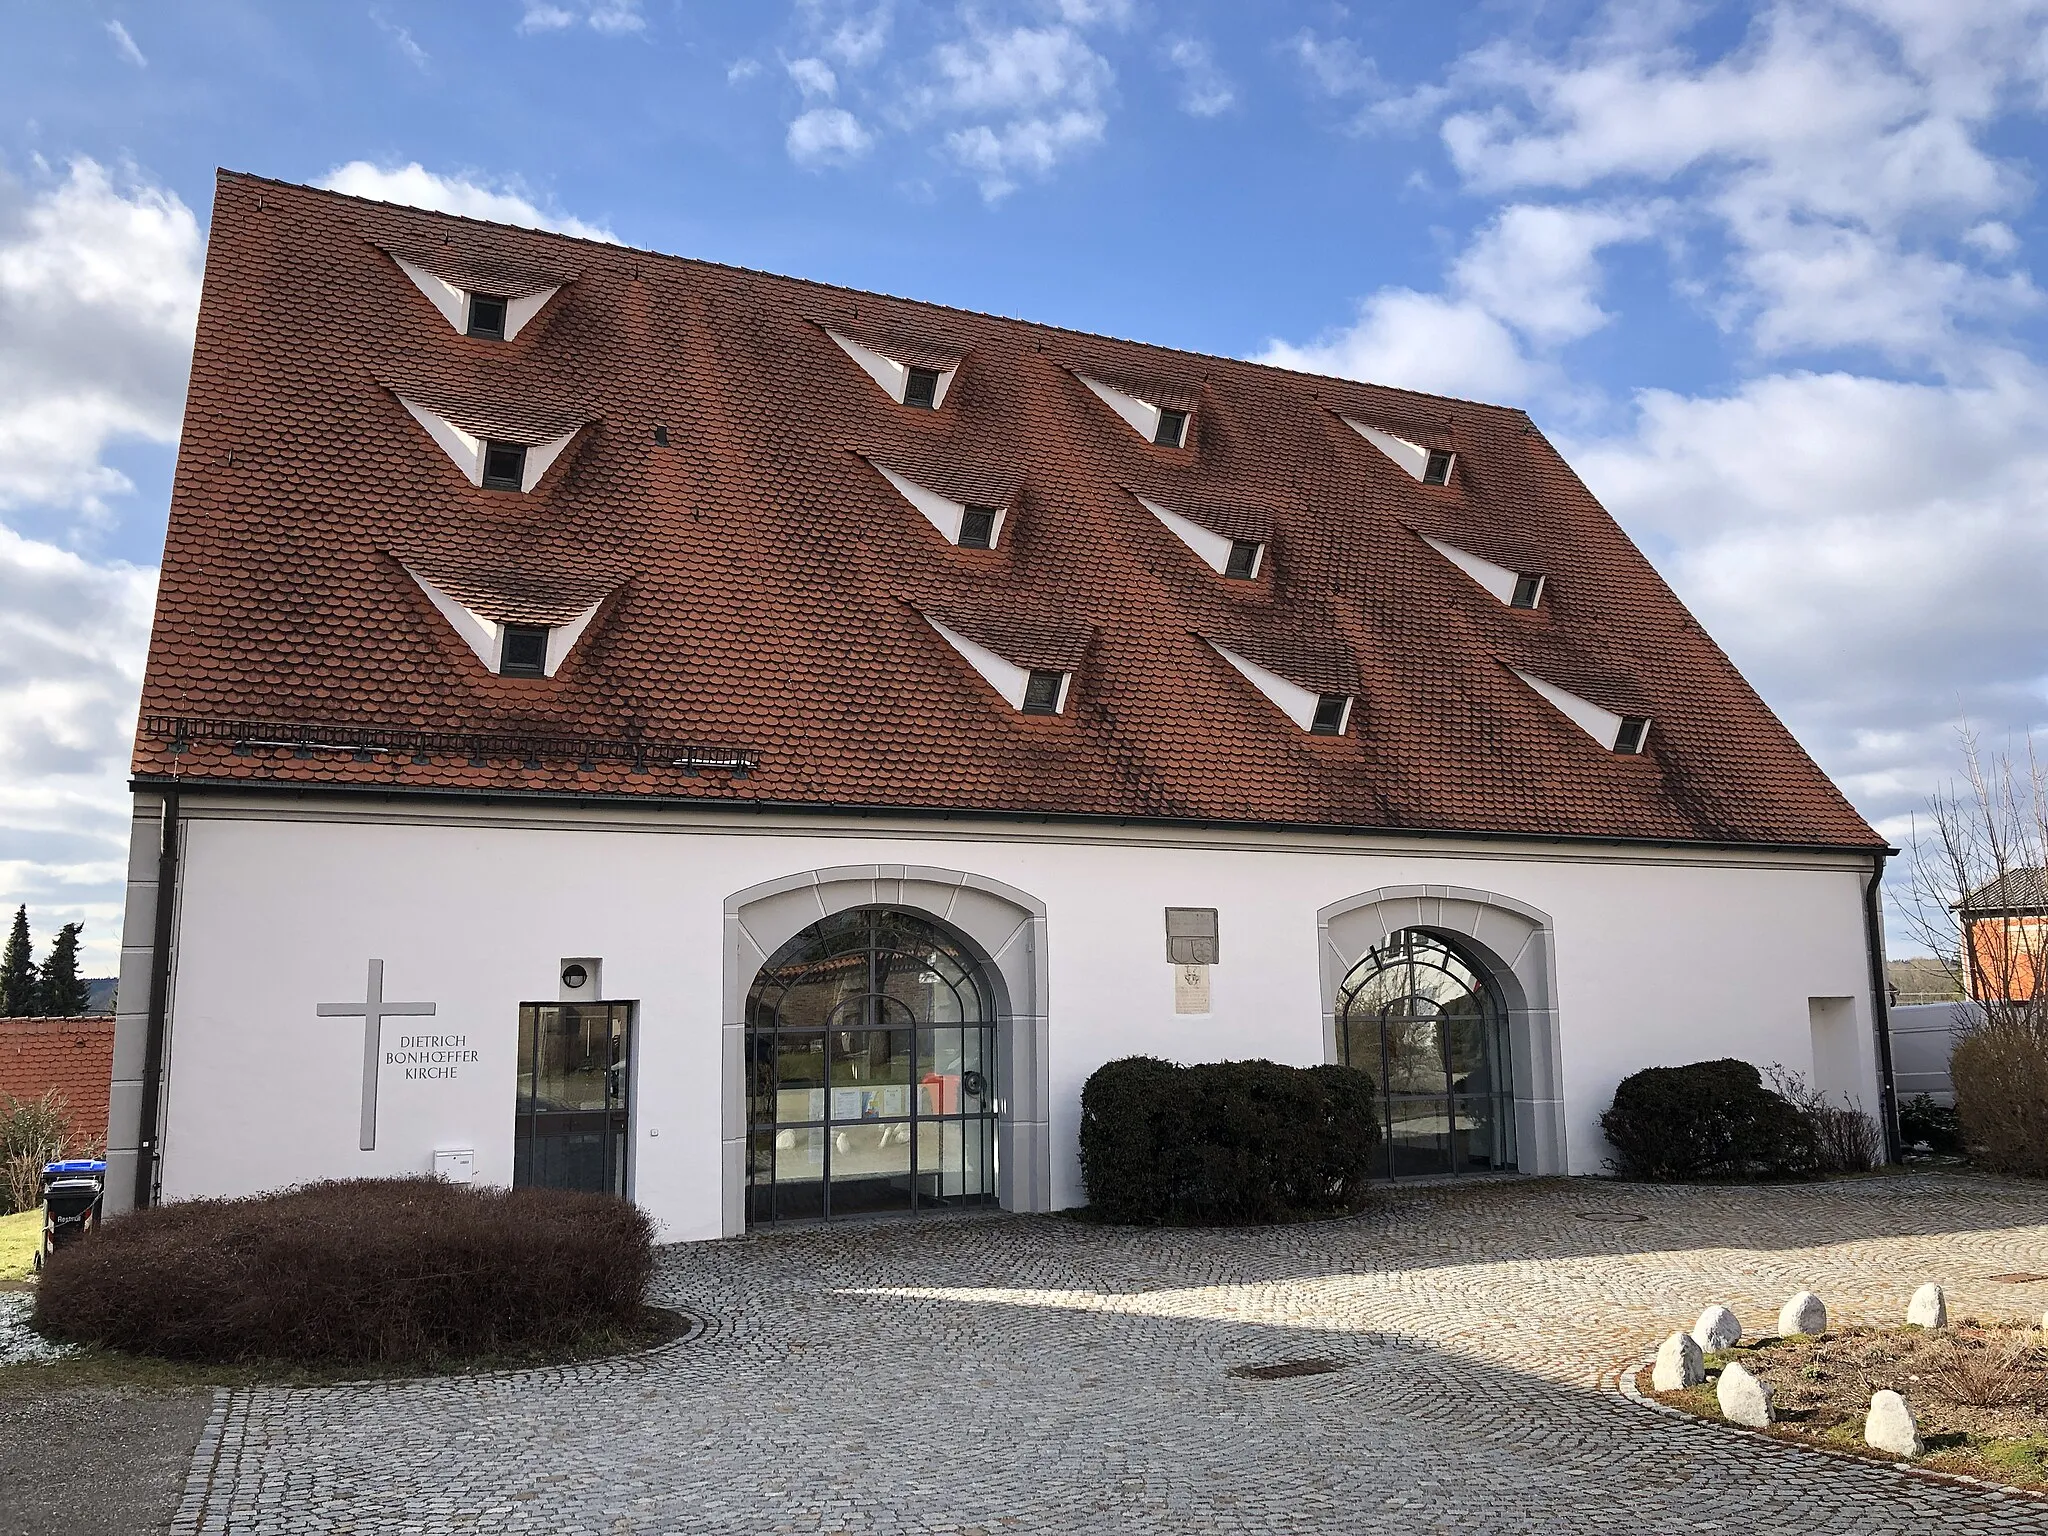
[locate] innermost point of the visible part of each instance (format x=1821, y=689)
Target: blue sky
x=1763, y=271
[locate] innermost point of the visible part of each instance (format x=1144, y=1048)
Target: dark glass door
x=571, y=1121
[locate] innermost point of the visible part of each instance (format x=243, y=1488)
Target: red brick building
x=75, y=1056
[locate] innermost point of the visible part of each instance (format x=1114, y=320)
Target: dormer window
x=504, y=466
x=1635, y=730
x=1042, y=693
x=1333, y=713
x=1431, y=466
x=1164, y=425
x=1173, y=426
x=978, y=528
x=921, y=388
x=1243, y=564
x=486, y=316
x=525, y=652
x=1528, y=592
x=1436, y=470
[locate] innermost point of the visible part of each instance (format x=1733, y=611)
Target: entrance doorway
x=871, y=1048
x=570, y=1126
x=1425, y=1022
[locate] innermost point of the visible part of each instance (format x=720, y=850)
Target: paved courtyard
x=1027, y=1375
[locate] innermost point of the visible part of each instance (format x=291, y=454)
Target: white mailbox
x=455, y=1164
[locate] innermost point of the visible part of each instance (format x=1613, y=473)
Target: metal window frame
x=1443, y=457
x=1633, y=735
x=985, y=520
x=618, y=1110
x=472, y=328
x=1036, y=682
x=1250, y=572
x=1530, y=585
x=1320, y=726
x=492, y=481
x=873, y=949
x=507, y=667
x=1180, y=420
x=926, y=399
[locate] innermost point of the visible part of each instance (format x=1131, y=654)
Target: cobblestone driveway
x=1028, y=1375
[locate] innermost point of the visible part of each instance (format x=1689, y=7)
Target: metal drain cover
x=1286, y=1368
x=1610, y=1216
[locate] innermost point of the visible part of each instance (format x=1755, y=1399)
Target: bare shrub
x=32, y=1132
x=1979, y=1375
x=1845, y=1140
x=2000, y=1072
x=414, y=1270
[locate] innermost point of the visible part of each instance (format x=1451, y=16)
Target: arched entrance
x=1427, y=1024
x=871, y=1051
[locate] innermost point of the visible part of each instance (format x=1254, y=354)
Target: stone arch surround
x=1513, y=940
x=1003, y=926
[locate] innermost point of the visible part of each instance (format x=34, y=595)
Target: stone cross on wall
x=373, y=1011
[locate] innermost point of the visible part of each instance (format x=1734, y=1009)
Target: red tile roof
x=767, y=585
x=75, y=1056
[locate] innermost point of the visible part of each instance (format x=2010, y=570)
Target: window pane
x=1171, y=425
x=1484, y=1139
x=977, y=528
x=504, y=466
x=1244, y=560
x=921, y=387
x=1419, y=1136
x=486, y=316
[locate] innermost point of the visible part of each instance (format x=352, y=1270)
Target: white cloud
x=417, y=187
x=99, y=290
x=1537, y=267
x=1037, y=95
x=99, y=287
x=402, y=39
x=614, y=17
x=1204, y=89
x=848, y=33
x=827, y=136
x=125, y=45
x=813, y=77
x=1420, y=341
x=741, y=69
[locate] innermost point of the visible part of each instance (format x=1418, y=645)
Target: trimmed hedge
x=1225, y=1142
x=362, y=1271
x=1709, y=1120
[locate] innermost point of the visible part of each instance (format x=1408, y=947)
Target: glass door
x=570, y=1126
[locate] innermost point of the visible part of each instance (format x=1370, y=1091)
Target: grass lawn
x=20, y=1236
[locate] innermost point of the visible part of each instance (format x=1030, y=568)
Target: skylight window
x=1333, y=713
x=1173, y=426
x=978, y=528
x=1243, y=564
x=1436, y=470
x=1528, y=592
x=1634, y=732
x=1042, y=693
x=921, y=388
x=525, y=652
x=486, y=316
x=504, y=466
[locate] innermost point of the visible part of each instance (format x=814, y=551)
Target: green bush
x=385, y=1271
x=1231, y=1141
x=1924, y=1123
x=2000, y=1073
x=1709, y=1120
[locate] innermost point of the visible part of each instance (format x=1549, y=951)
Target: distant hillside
x=1924, y=980
x=102, y=995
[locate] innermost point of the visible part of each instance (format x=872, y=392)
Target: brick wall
x=74, y=1056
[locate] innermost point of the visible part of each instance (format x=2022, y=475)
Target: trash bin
x=71, y=1202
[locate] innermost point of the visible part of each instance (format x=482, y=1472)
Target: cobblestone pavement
x=1037, y=1375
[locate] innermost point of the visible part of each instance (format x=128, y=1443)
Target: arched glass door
x=870, y=1066
x=1426, y=1024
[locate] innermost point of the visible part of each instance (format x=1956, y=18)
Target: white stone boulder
x=1743, y=1399
x=1891, y=1427
x=1679, y=1364
x=1716, y=1330
x=1928, y=1308
x=1805, y=1313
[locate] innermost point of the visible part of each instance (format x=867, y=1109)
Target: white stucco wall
x=1658, y=959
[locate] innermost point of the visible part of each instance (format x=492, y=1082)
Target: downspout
x=1880, y=1009
x=159, y=1003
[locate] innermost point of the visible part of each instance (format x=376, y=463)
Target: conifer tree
x=18, y=971
x=60, y=990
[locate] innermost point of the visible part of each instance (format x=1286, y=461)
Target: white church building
x=626, y=723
